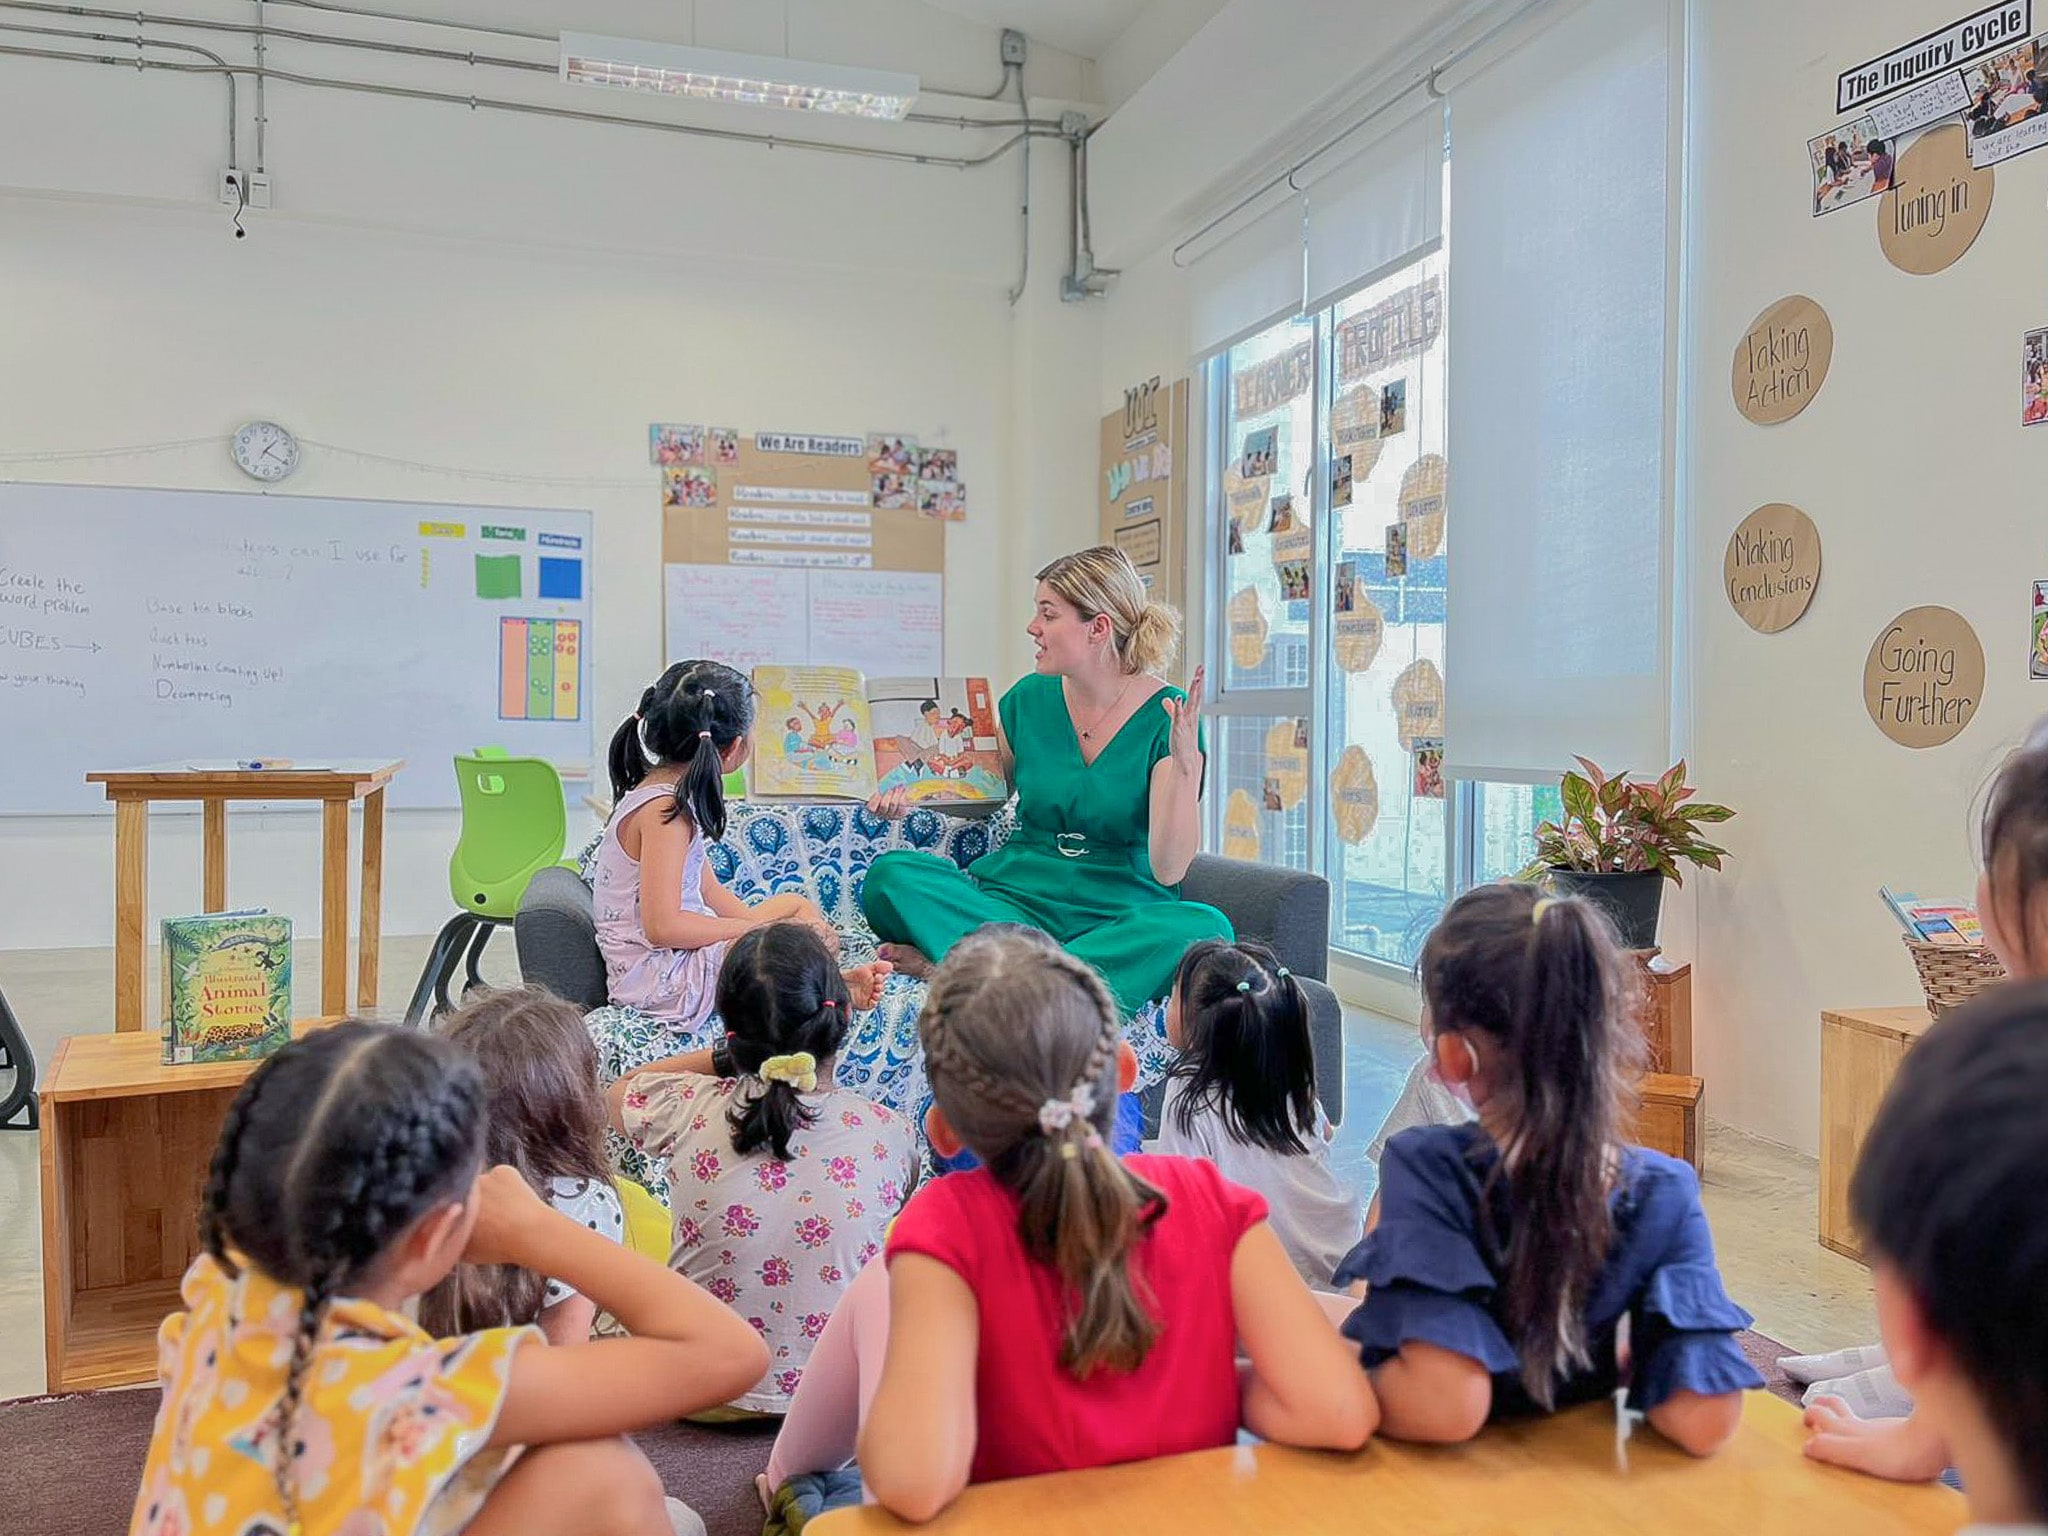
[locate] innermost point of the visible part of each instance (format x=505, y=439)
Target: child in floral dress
x=781, y=1185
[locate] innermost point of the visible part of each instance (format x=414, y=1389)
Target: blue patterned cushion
x=823, y=851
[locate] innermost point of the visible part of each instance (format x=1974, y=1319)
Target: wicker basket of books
x=1951, y=974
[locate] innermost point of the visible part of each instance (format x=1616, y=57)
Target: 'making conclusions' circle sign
x=1772, y=567
x=1782, y=360
x=1924, y=677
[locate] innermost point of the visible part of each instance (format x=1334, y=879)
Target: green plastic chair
x=514, y=823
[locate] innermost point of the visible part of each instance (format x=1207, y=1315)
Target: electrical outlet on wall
x=1013, y=46
x=232, y=181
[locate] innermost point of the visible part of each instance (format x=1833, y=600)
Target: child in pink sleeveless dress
x=663, y=919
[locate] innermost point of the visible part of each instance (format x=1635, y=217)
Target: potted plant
x=1620, y=839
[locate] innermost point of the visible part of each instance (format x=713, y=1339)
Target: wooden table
x=1538, y=1476
x=126, y=1143
x=1860, y=1049
x=335, y=785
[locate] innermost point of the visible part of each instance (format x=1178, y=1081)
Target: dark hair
x=928, y=704
x=2014, y=836
x=779, y=992
x=692, y=706
x=331, y=1151
x=1246, y=1055
x=545, y=1118
x=1013, y=1024
x=1947, y=1193
x=1544, y=979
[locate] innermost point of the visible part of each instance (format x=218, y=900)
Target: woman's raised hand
x=1185, y=742
x=891, y=804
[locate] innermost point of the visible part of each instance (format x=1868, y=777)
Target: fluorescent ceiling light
x=750, y=79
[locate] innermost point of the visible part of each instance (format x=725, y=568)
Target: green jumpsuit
x=1078, y=866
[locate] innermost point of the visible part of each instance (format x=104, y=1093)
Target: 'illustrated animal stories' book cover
x=227, y=986
x=830, y=733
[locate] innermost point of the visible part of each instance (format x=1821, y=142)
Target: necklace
x=1114, y=704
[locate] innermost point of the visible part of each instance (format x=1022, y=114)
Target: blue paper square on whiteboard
x=561, y=579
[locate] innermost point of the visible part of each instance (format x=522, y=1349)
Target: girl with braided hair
x=1073, y=1310
x=780, y=1184
x=299, y=1400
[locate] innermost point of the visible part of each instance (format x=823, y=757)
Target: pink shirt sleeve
x=658, y=1108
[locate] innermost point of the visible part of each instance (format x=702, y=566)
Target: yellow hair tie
x=799, y=1070
x=1543, y=904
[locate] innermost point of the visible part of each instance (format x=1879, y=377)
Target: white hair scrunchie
x=654, y=758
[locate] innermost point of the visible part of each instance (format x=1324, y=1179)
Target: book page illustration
x=812, y=737
x=935, y=737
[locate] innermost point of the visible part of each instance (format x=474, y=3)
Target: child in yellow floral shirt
x=299, y=1400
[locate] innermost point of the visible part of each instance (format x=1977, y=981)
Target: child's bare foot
x=1901, y=1450
x=864, y=983
x=908, y=961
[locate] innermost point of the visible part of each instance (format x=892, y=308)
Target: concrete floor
x=1760, y=1197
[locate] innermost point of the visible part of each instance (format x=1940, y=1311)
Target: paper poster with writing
x=1422, y=504
x=1248, y=628
x=1782, y=360
x=1354, y=796
x=1241, y=827
x=1287, y=763
x=1360, y=625
x=1418, y=697
x=1924, y=677
x=1355, y=431
x=1772, y=567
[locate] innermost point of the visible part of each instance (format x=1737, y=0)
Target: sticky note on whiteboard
x=561, y=580
x=497, y=576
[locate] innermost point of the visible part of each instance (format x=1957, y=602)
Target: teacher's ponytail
x=1154, y=639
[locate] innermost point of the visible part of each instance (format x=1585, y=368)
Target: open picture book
x=829, y=733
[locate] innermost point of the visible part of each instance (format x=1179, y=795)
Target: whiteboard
x=144, y=626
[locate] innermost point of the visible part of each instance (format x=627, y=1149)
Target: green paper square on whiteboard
x=497, y=576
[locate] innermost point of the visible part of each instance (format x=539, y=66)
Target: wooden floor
x=1760, y=1197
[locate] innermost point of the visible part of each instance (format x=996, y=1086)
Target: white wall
x=1914, y=465
x=517, y=296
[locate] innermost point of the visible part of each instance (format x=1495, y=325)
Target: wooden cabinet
x=1860, y=1050
x=126, y=1144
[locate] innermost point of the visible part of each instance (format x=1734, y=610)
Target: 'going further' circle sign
x=1924, y=677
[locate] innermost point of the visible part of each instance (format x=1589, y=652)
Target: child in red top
x=1074, y=1311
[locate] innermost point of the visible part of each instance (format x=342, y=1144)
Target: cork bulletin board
x=1144, y=484
x=797, y=548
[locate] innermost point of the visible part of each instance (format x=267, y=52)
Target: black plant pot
x=1631, y=900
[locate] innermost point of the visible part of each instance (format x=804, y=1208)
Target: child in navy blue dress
x=1479, y=1304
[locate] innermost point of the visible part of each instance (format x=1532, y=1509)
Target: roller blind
x=1248, y=281
x=1379, y=208
x=1558, y=617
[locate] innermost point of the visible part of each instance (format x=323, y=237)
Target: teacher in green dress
x=1108, y=761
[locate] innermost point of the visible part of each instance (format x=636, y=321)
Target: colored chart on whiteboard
x=538, y=671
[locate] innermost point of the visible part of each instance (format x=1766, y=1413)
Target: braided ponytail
x=781, y=996
x=1020, y=1043
x=332, y=1150
x=312, y=1312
